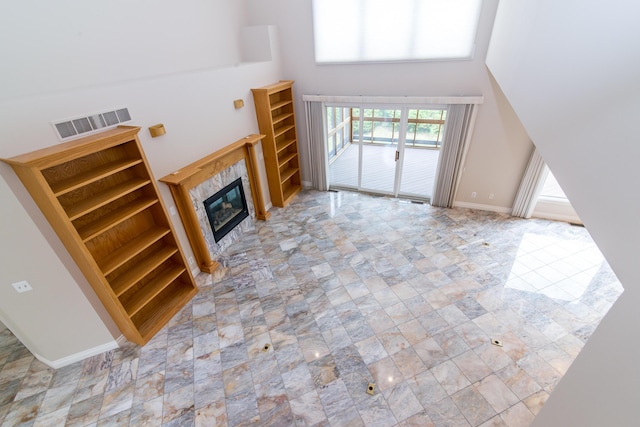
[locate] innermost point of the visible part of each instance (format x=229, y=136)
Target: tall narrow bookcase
x=100, y=197
x=276, y=120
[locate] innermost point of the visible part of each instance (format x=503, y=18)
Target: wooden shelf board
x=281, y=117
x=284, y=144
x=282, y=130
x=288, y=173
x=152, y=289
x=88, y=205
x=131, y=249
x=93, y=175
x=114, y=218
x=289, y=192
x=286, y=158
x=272, y=88
x=167, y=308
x=280, y=104
x=56, y=154
x=125, y=281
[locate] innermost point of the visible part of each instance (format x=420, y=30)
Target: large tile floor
x=347, y=289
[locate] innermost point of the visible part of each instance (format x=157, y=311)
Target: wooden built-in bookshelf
x=276, y=119
x=100, y=197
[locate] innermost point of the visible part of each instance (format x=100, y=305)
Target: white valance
x=400, y=100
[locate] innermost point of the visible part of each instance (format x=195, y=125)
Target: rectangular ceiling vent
x=75, y=127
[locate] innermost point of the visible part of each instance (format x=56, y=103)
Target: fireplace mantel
x=182, y=180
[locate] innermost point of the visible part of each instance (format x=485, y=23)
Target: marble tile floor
x=347, y=289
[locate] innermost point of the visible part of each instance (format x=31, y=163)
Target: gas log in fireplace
x=226, y=209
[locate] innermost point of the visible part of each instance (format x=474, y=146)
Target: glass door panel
x=381, y=130
x=425, y=127
x=418, y=172
x=378, y=168
x=367, y=125
x=421, y=151
x=343, y=153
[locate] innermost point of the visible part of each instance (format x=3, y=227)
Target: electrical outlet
x=491, y=196
x=473, y=195
x=172, y=210
x=22, y=286
x=190, y=260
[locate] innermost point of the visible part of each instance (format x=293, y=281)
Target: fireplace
x=194, y=183
x=226, y=209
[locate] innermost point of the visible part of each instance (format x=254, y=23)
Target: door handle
x=397, y=155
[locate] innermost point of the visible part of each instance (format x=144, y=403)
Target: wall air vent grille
x=76, y=127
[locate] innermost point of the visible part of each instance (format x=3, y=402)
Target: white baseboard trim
x=121, y=340
x=478, y=206
x=557, y=217
x=556, y=210
x=306, y=184
x=60, y=363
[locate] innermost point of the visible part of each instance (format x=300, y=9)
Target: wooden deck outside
x=378, y=170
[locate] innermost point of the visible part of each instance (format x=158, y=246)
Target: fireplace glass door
x=226, y=209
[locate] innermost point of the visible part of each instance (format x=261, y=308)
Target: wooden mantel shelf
x=184, y=179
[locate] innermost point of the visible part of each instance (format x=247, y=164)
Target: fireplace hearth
x=226, y=209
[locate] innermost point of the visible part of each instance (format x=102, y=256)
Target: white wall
x=570, y=70
x=170, y=62
x=56, y=297
x=52, y=46
x=500, y=146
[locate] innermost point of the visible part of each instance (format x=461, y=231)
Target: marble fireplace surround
x=182, y=181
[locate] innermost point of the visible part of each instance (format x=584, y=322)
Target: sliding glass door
x=387, y=150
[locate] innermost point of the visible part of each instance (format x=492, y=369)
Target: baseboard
x=556, y=210
x=480, y=207
x=306, y=184
x=60, y=363
x=557, y=217
x=121, y=340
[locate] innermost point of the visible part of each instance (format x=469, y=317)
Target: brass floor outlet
x=266, y=348
x=371, y=389
x=496, y=342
